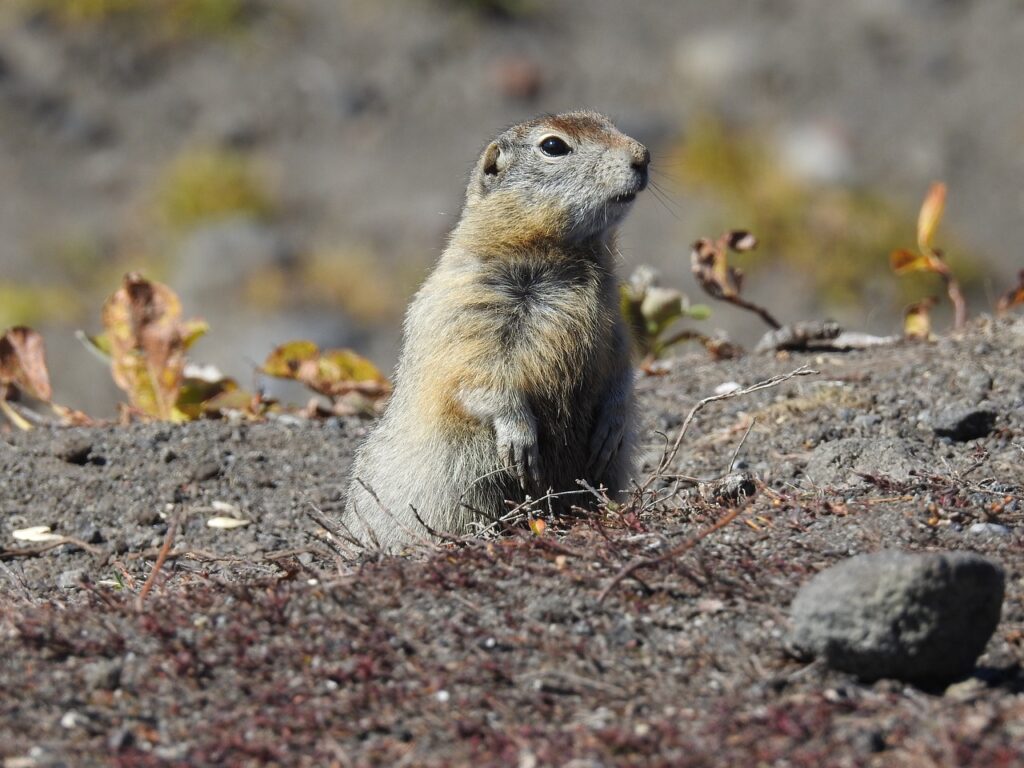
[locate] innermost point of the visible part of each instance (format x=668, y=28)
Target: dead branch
x=11, y=554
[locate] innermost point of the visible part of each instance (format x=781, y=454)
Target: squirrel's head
x=575, y=172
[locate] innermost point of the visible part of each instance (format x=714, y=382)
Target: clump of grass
x=347, y=278
x=839, y=236
x=354, y=279
x=22, y=304
x=172, y=18
x=204, y=185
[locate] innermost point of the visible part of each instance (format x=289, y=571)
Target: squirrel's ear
x=493, y=160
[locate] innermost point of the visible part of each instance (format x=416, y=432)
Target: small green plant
x=145, y=341
x=208, y=184
x=652, y=311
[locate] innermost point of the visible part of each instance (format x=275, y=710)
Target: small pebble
x=71, y=579
x=990, y=529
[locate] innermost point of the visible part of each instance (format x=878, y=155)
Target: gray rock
x=917, y=617
x=962, y=424
x=205, y=469
x=988, y=529
x=104, y=674
x=70, y=579
x=838, y=462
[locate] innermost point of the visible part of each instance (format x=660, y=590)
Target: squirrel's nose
x=641, y=157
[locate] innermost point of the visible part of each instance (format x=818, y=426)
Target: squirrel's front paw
x=606, y=439
x=517, y=450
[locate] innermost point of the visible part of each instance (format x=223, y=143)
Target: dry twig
x=160, y=559
x=647, y=562
x=670, y=455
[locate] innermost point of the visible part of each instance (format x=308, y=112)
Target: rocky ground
x=264, y=644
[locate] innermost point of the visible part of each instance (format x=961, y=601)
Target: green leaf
x=698, y=311
x=99, y=344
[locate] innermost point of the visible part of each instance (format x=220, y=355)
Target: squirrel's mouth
x=628, y=197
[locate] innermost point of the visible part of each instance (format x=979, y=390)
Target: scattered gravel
x=262, y=645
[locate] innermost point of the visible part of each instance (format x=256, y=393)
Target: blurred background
x=291, y=167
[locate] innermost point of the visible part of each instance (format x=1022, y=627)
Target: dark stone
x=74, y=449
x=206, y=469
x=962, y=424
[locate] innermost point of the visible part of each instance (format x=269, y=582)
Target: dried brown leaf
x=23, y=363
x=711, y=269
x=147, y=340
x=1013, y=297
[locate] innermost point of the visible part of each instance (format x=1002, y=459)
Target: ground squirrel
x=515, y=374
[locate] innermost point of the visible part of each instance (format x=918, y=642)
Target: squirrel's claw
x=517, y=449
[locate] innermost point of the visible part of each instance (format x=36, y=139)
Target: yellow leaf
x=538, y=526
x=346, y=365
x=930, y=215
x=234, y=400
x=285, y=360
x=903, y=261
x=192, y=331
x=917, y=322
x=333, y=373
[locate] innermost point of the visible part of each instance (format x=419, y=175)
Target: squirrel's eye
x=553, y=146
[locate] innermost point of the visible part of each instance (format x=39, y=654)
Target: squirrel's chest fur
x=546, y=328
